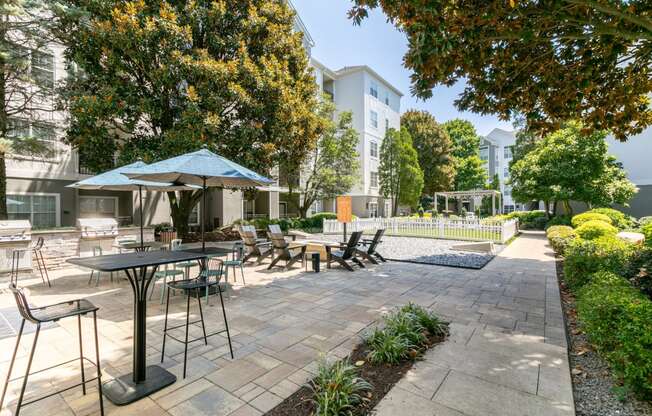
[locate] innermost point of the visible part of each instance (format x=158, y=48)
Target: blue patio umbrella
x=115, y=180
x=203, y=168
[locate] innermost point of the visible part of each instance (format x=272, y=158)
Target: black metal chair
x=47, y=314
x=198, y=286
x=371, y=245
x=347, y=252
x=284, y=251
x=36, y=250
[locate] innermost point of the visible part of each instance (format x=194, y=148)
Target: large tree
x=331, y=167
x=434, y=147
x=25, y=90
x=549, y=60
x=401, y=178
x=157, y=79
x=570, y=165
x=470, y=172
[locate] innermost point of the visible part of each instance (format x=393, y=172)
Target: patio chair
x=255, y=248
x=235, y=263
x=35, y=251
x=167, y=272
x=370, y=246
x=348, y=252
x=97, y=251
x=284, y=251
x=251, y=229
x=275, y=228
x=46, y=315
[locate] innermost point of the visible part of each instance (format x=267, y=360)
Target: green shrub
x=618, y=219
x=530, y=220
x=618, y=321
x=639, y=270
x=386, y=347
x=559, y=220
x=427, y=319
x=593, y=229
x=582, y=258
x=647, y=232
x=644, y=220
x=337, y=388
x=559, y=237
x=580, y=219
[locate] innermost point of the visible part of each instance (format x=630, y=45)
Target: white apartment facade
x=496, y=150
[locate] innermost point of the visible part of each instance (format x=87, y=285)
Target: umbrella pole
x=140, y=197
x=203, y=216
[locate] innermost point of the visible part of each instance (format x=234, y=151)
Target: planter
x=168, y=236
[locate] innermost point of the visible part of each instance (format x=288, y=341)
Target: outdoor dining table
x=147, y=245
x=140, y=268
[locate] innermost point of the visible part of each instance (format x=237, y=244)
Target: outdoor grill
x=98, y=228
x=15, y=234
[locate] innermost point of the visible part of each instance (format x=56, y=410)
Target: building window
x=193, y=218
x=386, y=124
x=506, y=173
x=373, y=89
x=387, y=98
x=40, y=210
x=508, y=208
x=373, y=149
x=484, y=153
x=98, y=206
x=316, y=207
x=507, y=191
x=508, y=152
x=374, y=119
x=372, y=209
x=18, y=128
x=373, y=179
x=43, y=68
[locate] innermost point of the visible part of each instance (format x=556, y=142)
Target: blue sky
x=378, y=44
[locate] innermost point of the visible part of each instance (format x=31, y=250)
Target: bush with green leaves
x=644, y=220
x=580, y=219
x=559, y=237
x=639, y=270
x=618, y=219
x=404, y=334
x=559, y=220
x=593, y=229
x=529, y=220
x=583, y=258
x=337, y=388
x=646, y=229
x=618, y=320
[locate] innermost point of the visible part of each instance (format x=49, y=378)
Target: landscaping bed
x=358, y=383
x=594, y=388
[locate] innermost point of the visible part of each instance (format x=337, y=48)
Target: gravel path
x=593, y=385
x=428, y=251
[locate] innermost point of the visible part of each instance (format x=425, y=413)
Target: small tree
x=332, y=166
x=434, y=150
x=24, y=91
x=569, y=165
x=401, y=178
x=470, y=172
x=159, y=78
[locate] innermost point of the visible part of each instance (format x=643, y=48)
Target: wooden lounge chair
x=284, y=251
x=275, y=228
x=348, y=252
x=251, y=229
x=370, y=245
x=255, y=248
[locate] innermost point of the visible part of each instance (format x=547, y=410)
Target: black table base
x=123, y=390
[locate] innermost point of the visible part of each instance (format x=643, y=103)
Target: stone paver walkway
x=505, y=356
x=515, y=365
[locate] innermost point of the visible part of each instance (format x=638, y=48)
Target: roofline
x=351, y=69
x=327, y=70
x=302, y=25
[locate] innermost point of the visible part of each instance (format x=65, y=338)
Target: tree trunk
x=180, y=209
x=568, y=208
x=3, y=187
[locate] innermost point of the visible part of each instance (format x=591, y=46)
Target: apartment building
x=496, y=151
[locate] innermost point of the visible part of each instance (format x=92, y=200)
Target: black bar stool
x=46, y=314
x=198, y=286
x=40, y=261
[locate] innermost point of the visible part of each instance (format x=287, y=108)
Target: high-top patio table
x=147, y=245
x=140, y=268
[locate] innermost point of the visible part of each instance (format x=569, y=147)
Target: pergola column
x=493, y=204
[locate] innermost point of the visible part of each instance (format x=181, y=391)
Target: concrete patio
x=506, y=354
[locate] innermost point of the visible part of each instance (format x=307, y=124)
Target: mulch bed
x=594, y=388
x=382, y=378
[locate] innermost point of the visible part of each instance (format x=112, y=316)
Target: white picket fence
x=452, y=229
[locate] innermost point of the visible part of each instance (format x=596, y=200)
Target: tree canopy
x=470, y=172
x=551, y=61
x=569, y=165
x=156, y=79
x=434, y=147
x=401, y=178
x=331, y=167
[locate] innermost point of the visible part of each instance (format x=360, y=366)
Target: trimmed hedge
x=585, y=257
x=618, y=219
x=580, y=219
x=559, y=237
x=644, y=220
x=593, y=229
x=559, y=220
x=647, y=232
x=639, y=270
x=618, y=320
x=529, y=220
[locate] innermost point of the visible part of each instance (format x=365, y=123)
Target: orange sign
x=344, y=210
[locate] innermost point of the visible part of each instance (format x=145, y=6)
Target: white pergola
x=476, y=193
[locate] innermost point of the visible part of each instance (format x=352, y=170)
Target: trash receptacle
x=315, y=262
